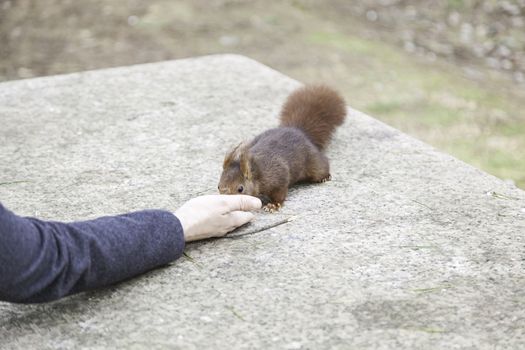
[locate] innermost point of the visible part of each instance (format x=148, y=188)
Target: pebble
x=206, y=319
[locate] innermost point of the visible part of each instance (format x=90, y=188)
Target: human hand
x=215, y=215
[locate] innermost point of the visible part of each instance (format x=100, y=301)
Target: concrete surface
x=406, y=247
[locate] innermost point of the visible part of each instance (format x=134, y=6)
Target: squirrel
x=278, y=158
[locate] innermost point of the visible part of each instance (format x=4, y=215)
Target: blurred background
x=449, y=72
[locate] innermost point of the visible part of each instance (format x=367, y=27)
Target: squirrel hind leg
x=319, y=169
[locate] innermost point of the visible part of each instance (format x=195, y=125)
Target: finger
x=238, y=218
x=242, y=202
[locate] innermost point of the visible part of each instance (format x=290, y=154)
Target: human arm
x=45, y=260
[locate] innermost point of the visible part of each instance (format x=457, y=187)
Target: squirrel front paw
x=323, y=179
x=272, y=207
x=328, y=178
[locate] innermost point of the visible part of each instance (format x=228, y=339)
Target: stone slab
x=406, y=248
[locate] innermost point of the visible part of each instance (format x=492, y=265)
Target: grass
x=477, y=123
x=334, y=39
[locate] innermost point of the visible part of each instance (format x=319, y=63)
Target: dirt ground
x=462, y=105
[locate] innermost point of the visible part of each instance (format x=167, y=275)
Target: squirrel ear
x=230, y=156
x=246, y=163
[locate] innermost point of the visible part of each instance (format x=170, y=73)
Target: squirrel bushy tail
x=317, y=110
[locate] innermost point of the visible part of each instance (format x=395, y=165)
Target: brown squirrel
x=293, y=152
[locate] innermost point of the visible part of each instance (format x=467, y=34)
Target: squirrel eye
x=240, y=189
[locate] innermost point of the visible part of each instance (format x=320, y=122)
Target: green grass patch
x=344, y=42
x=382, y=108
x=512, y=129
x=456, y=4
x=419, y=112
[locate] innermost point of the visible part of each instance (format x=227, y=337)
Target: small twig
x=418, y=246
x=424, y=205
x=235, y=313
x=430, y=330
x=264, y=228
x=432, y=289
x=192, y=260
x=14, y=182
x=499, y=195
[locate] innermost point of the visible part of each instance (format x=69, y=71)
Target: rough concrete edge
x=428, y=147
x=138, y=65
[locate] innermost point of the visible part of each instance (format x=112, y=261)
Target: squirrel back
x=294, y=152
x=317, y=110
